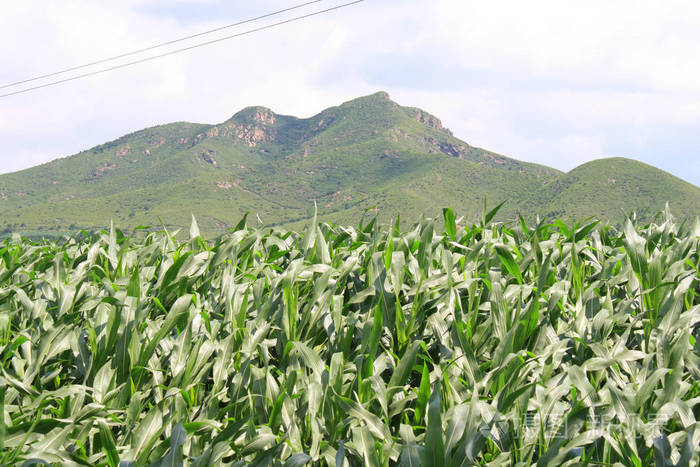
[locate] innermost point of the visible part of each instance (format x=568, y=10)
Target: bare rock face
x=253, y=125
x=208, y=157
x=458, y=151
x=100, y=170
x=428, y=120
x=264, y=115
x=255, y=116
x=253, y=135
x=123, y=151
x=495, y=159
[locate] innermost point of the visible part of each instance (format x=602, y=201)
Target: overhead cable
x=184, y=49
x=156, y=46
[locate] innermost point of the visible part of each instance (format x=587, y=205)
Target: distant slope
x=366, y=156
x=610, y=188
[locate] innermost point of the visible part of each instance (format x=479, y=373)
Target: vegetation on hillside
x=487, y=344
x=368, y=153
x=611, y=187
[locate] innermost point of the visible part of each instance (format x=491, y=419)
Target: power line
x=184, y=49
x=156, y=46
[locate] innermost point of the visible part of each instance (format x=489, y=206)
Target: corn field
x=490, y=344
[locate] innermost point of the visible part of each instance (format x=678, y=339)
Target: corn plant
x=490, y=344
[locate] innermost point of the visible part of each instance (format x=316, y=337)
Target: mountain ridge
x=366, y=153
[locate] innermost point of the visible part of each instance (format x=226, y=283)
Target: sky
x=546, y=81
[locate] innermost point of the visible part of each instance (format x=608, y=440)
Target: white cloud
x=643, y=43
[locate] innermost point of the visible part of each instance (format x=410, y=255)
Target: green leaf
x=492, y=213
x=509, y=263
x=411, y=456
x=423, y=396
x=194, y=229
x=145, y=435
x=450, y=224
x=108, y=444
x=174, y=456
x=434, y=449
x=403, y=369
x=179, y=309
x=3, y=390
x=297, y=460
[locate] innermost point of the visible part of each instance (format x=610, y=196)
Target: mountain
x=607, y=188
x=368, y=155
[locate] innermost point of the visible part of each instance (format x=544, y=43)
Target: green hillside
x=368, y=155
x=607, y=188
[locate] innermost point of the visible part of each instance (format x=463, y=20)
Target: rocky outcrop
x=388, y=155
x=253, y=135
x=495, y=158
x=250, y=134
x=121, y=152
x=252, y=126
x=264, y=115
x=428, y=120
x=208, y=157
x=459, y=151
x=255, y=115
x=100, y=170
